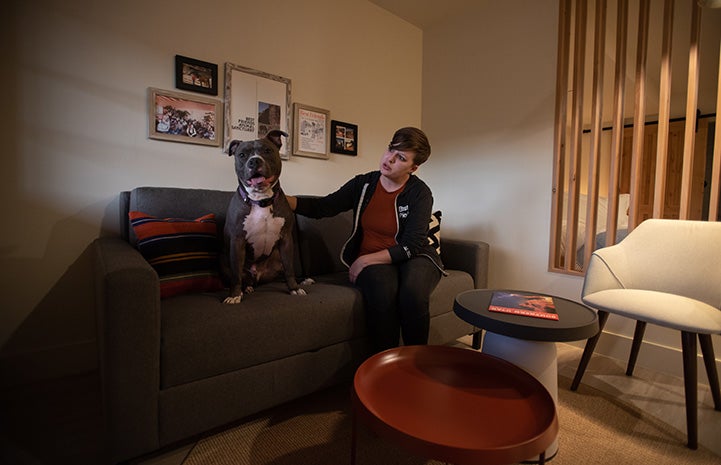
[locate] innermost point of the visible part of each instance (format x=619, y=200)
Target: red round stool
x=454, y=405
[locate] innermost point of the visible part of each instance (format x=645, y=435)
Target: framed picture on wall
x=255, y=103
x=344, y=138
x=196, y=75
x=311, y=135
x=179, y=117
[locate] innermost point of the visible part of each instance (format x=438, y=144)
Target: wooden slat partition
x=691, y=105
x=623, y=173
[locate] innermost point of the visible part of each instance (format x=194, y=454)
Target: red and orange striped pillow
x=183, y=252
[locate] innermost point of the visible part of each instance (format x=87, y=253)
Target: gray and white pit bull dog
x=259, y=223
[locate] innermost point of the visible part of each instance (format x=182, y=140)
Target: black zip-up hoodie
x=413, y=212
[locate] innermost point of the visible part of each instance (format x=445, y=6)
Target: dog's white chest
x=262, y=230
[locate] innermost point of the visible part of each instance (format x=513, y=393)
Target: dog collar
x=262, y=202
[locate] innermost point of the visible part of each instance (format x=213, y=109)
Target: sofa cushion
x=183, y=252
x=320, y=242
x=202, y=337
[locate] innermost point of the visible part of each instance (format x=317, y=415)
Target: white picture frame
x=255, y=103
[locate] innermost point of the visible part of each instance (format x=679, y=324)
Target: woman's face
x=397, y=164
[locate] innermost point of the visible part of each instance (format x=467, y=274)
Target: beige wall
x=74, y=126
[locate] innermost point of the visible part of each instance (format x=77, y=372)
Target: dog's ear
x=274, y=137
x=232, y=146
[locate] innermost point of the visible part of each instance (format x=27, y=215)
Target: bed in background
x=601, y=215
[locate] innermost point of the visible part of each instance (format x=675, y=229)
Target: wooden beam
x=559, y=136
x=639, y=115
x=664, y=110
x=594, y=160
x=617, y=131
x=689, y=138
x=713, y=213
x=574, y=154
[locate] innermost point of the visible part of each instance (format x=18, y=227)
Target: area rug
x=316, y=430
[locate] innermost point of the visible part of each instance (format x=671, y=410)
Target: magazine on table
x=523, y=303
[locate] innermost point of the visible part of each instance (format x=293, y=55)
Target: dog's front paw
x=298, y=291
x=233, y=299
x=307, y=282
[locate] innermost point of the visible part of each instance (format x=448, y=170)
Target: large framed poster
x=256, y=102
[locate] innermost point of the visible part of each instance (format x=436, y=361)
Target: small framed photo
x=196, y=75
x=311, y=135
x=344, y=138
x=179, y=117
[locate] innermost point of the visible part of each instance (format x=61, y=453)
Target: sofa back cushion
x=320, y=242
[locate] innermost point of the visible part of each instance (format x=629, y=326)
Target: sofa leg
x=688, y=346
x=588, y=350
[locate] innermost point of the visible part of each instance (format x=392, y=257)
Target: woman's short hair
x=413, y=140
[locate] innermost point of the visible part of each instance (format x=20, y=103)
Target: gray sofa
x=174, y=368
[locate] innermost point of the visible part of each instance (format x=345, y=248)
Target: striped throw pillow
x=434, y=231
x=183, y=252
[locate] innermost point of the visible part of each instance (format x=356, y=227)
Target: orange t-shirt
x=379, y=221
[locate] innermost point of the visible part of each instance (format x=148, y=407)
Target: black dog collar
x=262, y=202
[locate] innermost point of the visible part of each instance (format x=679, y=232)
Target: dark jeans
x=396, y=299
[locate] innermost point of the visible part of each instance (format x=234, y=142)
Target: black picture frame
x=195, y=75
x=344, y=138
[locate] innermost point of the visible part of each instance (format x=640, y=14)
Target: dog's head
x=257, y=162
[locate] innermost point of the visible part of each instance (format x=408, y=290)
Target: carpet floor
x=611, y=419
x=316, y=430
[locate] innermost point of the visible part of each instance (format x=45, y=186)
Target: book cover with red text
x=522, y=303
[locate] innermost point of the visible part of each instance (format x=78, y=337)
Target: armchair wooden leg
x=688, y=346
x=710, y=361
x=588, y=350
x=635, y=346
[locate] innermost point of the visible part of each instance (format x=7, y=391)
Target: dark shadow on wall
x=58, y=336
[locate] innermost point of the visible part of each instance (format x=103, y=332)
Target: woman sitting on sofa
x=388, y=254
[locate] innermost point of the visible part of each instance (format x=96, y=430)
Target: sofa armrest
x=127, y=295
x=468, y=256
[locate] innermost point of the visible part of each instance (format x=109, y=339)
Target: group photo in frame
x=256, y=103
x=179, y=117
x=195, y=75
x=311, y=131
x=345, y=138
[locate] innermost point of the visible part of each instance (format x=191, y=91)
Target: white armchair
x=668, y=273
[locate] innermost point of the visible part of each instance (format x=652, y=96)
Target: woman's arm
x=382, y=257
x=341, y=200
